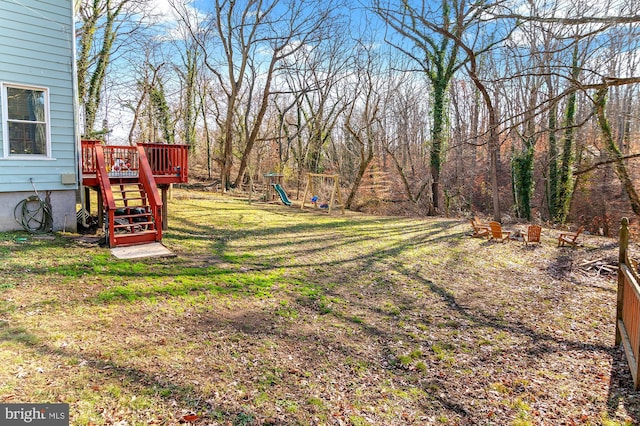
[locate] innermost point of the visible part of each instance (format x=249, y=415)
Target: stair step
x=131, y=199
x=128, y=192
x=134, y=221
x=123, y=179
x=130, y=218
x=133, y=215
x=141, y=233
x=150, y=229
x=127, y=224
x=137, y=238
x=128, y=210
x=135, y=227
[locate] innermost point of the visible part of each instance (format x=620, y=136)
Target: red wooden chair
x=479, y=230
x=533, y=234
x=497, y=233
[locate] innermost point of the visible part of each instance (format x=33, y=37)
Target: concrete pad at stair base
x=141, y=251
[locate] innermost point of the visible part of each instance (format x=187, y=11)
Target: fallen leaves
x=381, y=322
x=189, y=418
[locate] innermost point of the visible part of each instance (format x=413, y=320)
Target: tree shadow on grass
x=353, y=266
x=621, y=392
x=181, y=396
x=540, y=343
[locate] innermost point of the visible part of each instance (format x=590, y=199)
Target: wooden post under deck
x=87, y=199
x=165, y=210
x=100, y=210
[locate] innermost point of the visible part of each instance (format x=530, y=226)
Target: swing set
x=323, y=189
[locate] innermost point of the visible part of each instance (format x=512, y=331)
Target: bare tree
x=405, y=128
x=435, y=54
x=363, y=122
x=591, y=31
x=189, y=102
x=146, y=80
x=243, y=46
x=473, y=47
x=103, y=26
x=316, y=83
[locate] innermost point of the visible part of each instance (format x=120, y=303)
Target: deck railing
x=169, y=161
x=628, y=306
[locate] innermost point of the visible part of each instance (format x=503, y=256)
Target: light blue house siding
x=37, y=55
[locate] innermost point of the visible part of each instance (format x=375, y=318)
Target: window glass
x=27, y=138
x=26, y=121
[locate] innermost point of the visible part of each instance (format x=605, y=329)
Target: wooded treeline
x=505, y=108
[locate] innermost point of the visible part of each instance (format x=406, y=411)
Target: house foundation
x=62, y=203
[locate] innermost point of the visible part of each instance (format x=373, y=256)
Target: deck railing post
x=622, y=259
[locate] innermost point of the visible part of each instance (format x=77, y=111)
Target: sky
x=167, y=18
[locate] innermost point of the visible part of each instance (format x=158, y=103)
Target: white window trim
x=6, y=154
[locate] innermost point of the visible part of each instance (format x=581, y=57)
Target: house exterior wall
x=37, y=50
x=64, y=218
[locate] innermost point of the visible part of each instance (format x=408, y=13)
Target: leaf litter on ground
x=272, y=315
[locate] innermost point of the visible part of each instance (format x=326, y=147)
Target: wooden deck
x=168, y=162
x=132, y=183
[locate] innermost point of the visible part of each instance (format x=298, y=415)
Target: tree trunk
x=565, y=181
x=494, y=140
x=552, y=185
x=190, y=108
x=403, y=177
x=614, y=151
x=522, y=174
x=437, y=135
x=244, y=161
x=96, y=82
x=494, y=146
x=362, y=169
x=522, y=162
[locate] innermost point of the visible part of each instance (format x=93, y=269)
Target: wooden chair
x=532, y=235
x=478, y=222
x=569, y=238
x=497, y=233
x=479, y=230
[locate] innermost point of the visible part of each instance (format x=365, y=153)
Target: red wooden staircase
x=127, y=180
x=132, y=205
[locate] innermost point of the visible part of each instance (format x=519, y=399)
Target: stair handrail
x=145, y=175
x=108, y=202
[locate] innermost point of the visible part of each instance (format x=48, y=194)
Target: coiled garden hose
x=34, y=214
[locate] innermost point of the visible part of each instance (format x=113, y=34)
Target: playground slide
x=282, y=194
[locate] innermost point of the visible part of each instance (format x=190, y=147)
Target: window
x=26, y=120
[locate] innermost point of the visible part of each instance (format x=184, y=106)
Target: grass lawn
x=273, y=316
